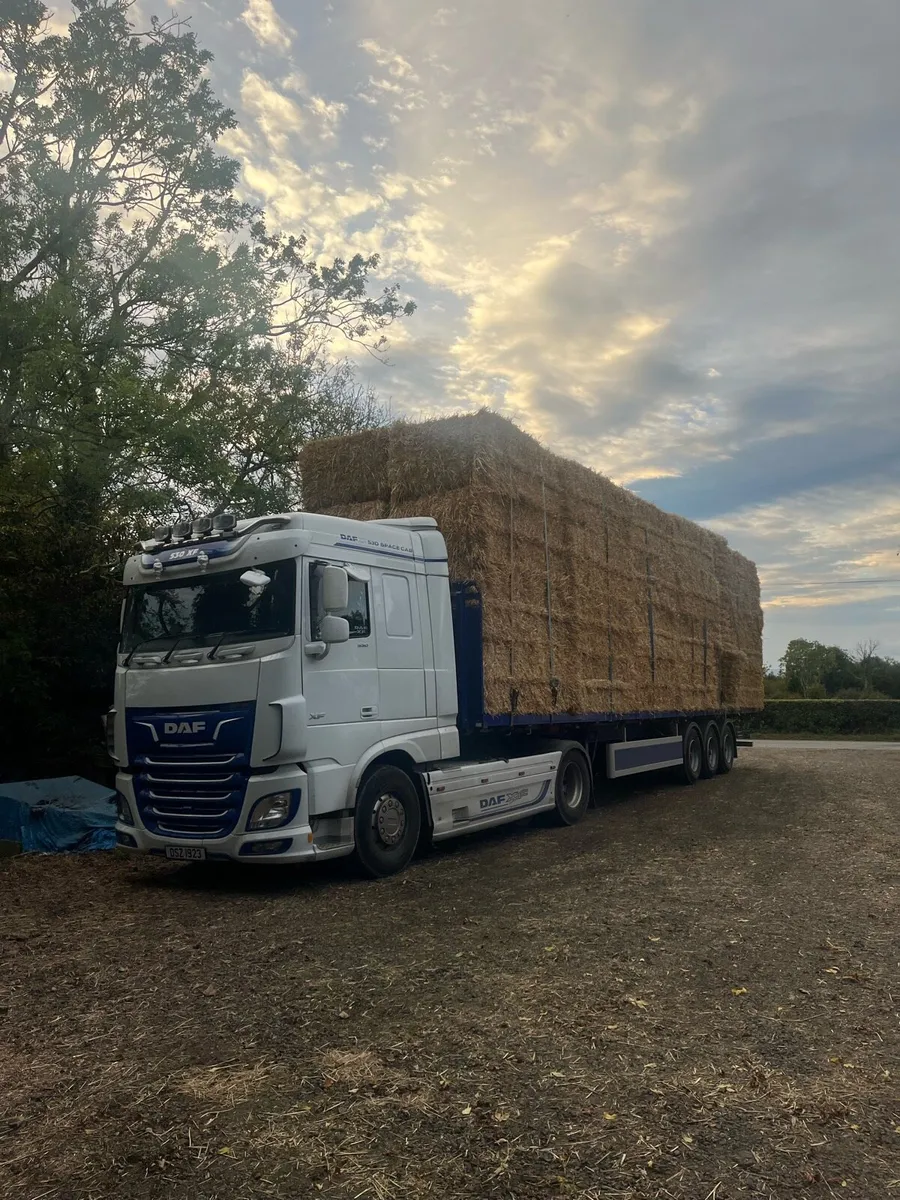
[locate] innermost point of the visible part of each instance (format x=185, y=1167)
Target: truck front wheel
x=573, y=787
x=388, y=821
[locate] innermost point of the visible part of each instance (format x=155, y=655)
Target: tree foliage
x=814, y=671
x=162, y=351
x=141, y=301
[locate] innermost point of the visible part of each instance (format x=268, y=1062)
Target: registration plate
x=186, y=853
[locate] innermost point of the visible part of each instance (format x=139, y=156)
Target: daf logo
x=180, y=728
x=184, y=726
x=504, y=798
x=492, y=801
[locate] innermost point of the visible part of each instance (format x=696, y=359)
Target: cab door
x=341, y=688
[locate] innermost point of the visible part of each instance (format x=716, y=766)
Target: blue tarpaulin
x=52, y=815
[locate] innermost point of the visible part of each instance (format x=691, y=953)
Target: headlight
x=272, y=811
x=123, y=810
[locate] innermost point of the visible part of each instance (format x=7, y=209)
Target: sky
x=662, y=235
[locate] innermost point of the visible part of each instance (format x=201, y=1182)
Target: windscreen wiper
x=145, y=642
x=215, y=649
x=180, y=638
x=235, y=633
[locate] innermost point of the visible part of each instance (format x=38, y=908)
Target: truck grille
x=191, y=798
x=191, y=767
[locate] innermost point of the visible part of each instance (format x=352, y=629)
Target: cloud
x=395, y=64
x=329, y=114
x=285, y=122
x=269, y=29
x=397, y=88
x=828, y=555
x=660, y=236
x=276, y=115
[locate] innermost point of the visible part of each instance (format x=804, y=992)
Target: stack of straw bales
x=594, y=600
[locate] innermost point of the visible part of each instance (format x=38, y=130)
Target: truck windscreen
x=205, y=609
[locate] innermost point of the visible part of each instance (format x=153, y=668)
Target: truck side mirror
x=335, y=592
x=334, y=629
x=256, y=581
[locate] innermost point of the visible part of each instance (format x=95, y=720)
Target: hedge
x=826, y=717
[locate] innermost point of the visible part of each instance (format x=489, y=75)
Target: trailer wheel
x=693, y=755
x=573, y=787
x=712, y=751
x=729, y=748
x=387, y=822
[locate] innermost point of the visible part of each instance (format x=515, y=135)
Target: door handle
x=370, y=711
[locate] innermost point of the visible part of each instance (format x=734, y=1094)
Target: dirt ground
x=691, y=995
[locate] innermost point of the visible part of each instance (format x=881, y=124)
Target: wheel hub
x=389, y=819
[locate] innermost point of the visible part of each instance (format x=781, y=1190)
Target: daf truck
x=300, y=687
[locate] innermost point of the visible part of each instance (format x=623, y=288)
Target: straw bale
x=359, y=510
x=593, y=599
x=348, y=470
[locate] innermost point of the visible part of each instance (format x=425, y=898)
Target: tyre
x=573, y=787
x=387, y=822
x=729, y=748
x=712, y=751
x=693, y=755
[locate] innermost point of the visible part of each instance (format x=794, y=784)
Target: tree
x=812, y=669
x=886, y=677
x=139, y=297
x=864, y=656
x=162, y=352
x=803, y=665
x=775, y=685
x=248, y=458
x=838, y=672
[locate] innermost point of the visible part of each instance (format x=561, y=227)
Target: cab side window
x=398, y=619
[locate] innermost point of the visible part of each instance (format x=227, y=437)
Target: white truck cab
x=295, y=688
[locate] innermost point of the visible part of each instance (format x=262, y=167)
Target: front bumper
x=303, y=845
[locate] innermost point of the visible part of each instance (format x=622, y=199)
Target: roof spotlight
x=224, y=522
x=162, y=533
x=201, y=525
x=181, y=530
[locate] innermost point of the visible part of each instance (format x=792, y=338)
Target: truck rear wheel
x=387, y=822
x=729, y=748
x=693, y=755
x=712, y=751
x=573, y=787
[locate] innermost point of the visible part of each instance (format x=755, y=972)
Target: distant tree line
x=814, y=671
x=163, y=353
